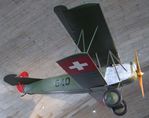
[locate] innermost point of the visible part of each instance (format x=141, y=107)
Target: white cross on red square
x=78, y=66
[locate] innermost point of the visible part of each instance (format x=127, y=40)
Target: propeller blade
x=141, y=85
x=139, y=73
x=137, y=61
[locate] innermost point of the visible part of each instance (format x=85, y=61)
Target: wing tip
x=60, y=8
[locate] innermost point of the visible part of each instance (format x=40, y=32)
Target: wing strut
x=112, y=56
x=98, y=62
x=92, y=39
x=110, y=53
x=81, y=35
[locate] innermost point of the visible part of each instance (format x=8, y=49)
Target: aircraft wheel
x=120, y=109
x=112, y=98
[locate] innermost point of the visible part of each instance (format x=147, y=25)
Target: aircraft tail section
x=19, y=81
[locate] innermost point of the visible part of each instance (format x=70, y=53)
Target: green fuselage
x=65, y=84
x=59, y=84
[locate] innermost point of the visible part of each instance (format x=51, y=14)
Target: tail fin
x=19, y=81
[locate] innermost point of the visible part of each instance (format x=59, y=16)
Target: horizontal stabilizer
x=13, y=80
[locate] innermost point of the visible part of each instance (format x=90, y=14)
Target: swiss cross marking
x=78, y=66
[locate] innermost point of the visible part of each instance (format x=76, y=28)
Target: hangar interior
x=32, y=39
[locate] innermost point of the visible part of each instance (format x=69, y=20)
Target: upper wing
x=86, y=18
x=83, y=70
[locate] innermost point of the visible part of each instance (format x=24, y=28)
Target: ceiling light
x=94, y=111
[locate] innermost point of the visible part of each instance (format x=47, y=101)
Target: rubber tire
x=114, y=91
x=122, y=105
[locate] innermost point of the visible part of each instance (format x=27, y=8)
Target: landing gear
x=113, y=99
x=120, y=109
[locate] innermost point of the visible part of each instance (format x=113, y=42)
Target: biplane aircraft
x=95, y=68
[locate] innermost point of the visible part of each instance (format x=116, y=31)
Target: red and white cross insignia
x=78, y=66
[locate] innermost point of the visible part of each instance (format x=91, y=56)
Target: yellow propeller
x=139, y=72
